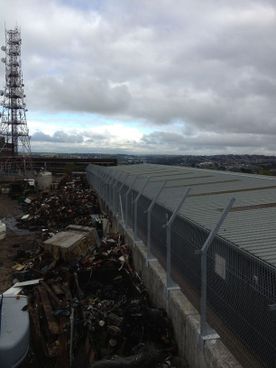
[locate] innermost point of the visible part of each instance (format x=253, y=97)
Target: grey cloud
x=180, y=142
x=58, y=137
x=157, y=142
x=41, y=137
x=81, y=137
x=97, y=138
x=208, y=65
x=79, y=93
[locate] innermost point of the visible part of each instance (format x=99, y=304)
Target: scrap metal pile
x=91, y=310
x=70, y=204
x=95, y=312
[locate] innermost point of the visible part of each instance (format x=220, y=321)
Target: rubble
x=70, y=204
x=95, y=311
x=88, y=308
x=148, y=357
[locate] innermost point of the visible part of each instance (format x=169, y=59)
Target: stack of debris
x=87, y=305
x=58, y=209
x=94, y=311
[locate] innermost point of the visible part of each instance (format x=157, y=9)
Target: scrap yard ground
x=91, y=308
x=16, y=239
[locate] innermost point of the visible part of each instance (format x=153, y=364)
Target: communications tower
x=15, y=149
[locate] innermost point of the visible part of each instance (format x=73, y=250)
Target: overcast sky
x=148, y=76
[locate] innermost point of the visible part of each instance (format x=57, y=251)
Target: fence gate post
x=170, y=284
x=148, y=211
x=205, y=331
x=136, y=205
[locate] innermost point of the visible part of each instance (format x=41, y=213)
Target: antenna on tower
x=15, y=148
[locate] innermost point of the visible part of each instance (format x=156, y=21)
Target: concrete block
x=71, y=243
x=193, y=344
x=218, y=355
x=179, y=308
x=156, y=284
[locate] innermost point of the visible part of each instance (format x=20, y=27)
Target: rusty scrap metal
x=55, y=210
x=112, y=311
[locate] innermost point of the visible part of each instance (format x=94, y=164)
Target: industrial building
x=241, y=273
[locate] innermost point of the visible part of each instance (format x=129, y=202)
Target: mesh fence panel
x=158, y=233
x=129, y=208
x=142, y=226
x=122, y=202
x=240, y=288
x=185, y=240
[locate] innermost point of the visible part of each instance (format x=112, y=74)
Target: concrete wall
x=185, y=318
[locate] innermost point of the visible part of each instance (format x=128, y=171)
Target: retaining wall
x=185, y=318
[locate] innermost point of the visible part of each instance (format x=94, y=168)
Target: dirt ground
x=8, y=207
x=15, y=240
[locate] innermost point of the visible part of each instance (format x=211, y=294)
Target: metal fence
x=234, y=291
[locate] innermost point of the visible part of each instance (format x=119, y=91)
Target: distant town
x=252, y=164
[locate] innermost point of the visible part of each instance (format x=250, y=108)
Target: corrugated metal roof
x=251, y=224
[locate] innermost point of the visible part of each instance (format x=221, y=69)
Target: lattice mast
x=15, y=149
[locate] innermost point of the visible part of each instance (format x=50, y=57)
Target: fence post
x=170, y=284
x=111, y=192
x=136, y=205
x=116, y=181
x=148, y=211
x=98, y=181
x=108, y=189
x=101, y=185
x=104, y=177
x=119, y=194
x=126, y=199
x=205, y=331
x=93, y=176
x=121, y=208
